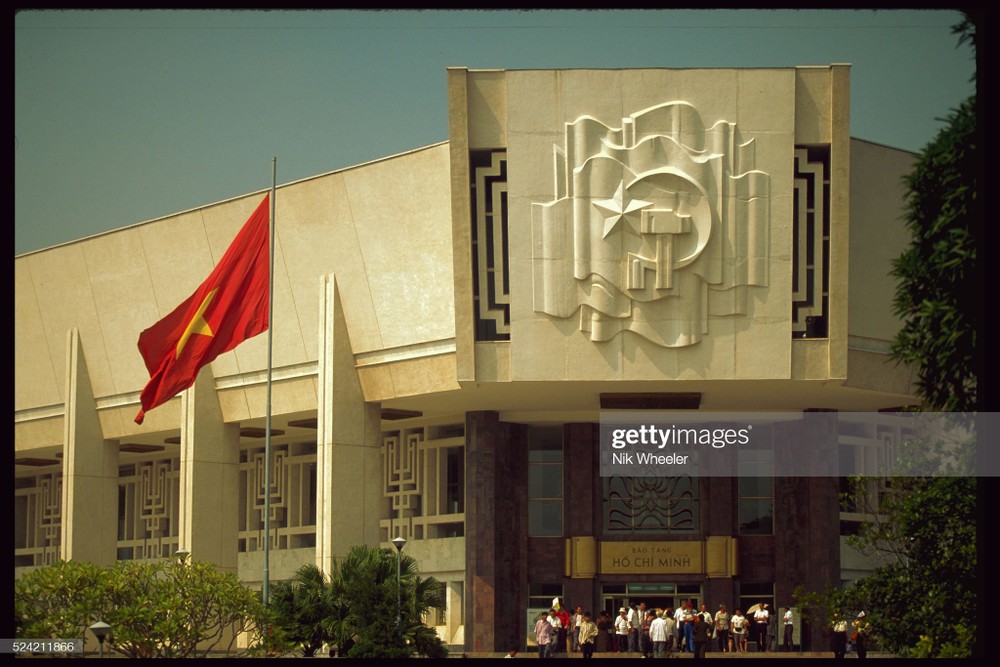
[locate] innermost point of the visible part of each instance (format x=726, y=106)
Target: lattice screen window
x=870, y=444
x=423, y=473
x=293, y=497
x=651, y=504
x=868, y=447
x=811, y=243
x=490, y=269
x=37, y=519
x=149, y=509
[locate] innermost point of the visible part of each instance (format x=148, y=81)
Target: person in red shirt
x=564, y=619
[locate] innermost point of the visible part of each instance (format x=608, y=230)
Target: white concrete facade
x=648, y=247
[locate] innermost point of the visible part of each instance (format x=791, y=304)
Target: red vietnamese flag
x=228, y=308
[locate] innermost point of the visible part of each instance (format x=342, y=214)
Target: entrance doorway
x=655, y=595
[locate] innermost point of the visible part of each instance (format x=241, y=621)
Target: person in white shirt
x=838, y=642
x=635, y=618
x=789, y=623
x=658, y=635
x=556, y=624
x=688, y=620
x=706, y=617
x=739, y=625
x=760, y=618
x=621, y=630
x=679, y=626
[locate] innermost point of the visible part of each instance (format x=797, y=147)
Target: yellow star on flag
x=197, y=325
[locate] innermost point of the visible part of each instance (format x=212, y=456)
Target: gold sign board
x=652, y=557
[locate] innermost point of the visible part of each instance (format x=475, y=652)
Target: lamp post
x=399, y=543
x=100, y=630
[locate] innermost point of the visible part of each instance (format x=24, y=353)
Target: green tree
x=175, y=608
x=59, y=601
x=365, y=581
x=355, y=608
x=923, y=601
x=179, y=608
x=927, y=539
x=938, y=290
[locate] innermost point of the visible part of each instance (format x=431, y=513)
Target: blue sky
x=126, y=116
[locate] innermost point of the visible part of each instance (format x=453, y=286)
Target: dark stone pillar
x=720, y=591
x=581, y=481
x=757, y=558
x=718, y=517
x=718, y=505
x=495, y=533
x=807, y=516
x=581, y=502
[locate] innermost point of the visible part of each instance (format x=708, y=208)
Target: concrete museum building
x=449, y=325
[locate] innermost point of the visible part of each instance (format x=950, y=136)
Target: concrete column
x=90, y=470
x=454, y=601
x=461, y=212
x=840, y=216
x=348, y=450
x=210, y=464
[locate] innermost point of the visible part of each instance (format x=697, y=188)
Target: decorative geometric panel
x=810, y=244
x=490, y=270
x=651, y=504
x=148, y=509
x=656, y=226
x=293, y=497
x=403, y=475
x=38, y=519
x=423, y=472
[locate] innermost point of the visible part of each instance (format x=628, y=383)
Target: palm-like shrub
x=356, y=608
x=302, y=607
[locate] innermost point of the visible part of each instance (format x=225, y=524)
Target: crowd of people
x=859, y=636
x=661, y=632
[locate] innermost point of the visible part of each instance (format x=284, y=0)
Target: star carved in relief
x=618, y=207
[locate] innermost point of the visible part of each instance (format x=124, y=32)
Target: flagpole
x=265, y=593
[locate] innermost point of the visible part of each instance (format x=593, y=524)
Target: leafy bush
x=176, y=608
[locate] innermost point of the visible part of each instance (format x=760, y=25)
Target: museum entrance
x=655, y=595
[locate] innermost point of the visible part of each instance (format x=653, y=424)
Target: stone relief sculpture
x=656, y=226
